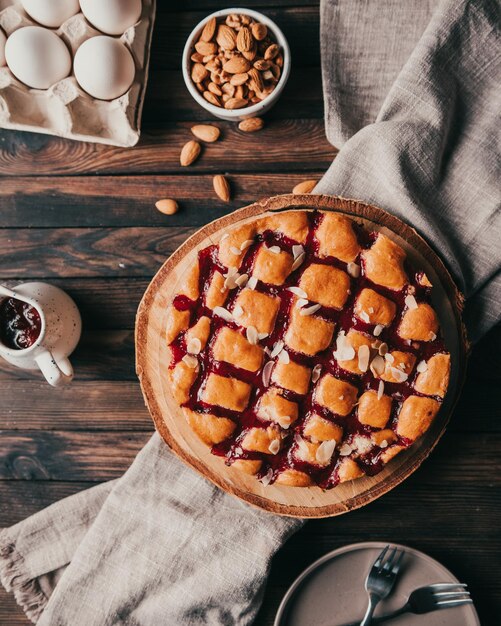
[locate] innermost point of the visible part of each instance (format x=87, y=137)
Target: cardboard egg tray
x=65, y=109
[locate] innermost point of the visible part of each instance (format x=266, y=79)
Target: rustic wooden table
x=82, y=217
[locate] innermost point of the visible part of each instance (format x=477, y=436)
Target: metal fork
x=381, y=579
x=427, y=599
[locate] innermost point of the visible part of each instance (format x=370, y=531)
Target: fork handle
x=373, y=602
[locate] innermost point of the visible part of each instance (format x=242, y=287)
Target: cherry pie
x=305, y=349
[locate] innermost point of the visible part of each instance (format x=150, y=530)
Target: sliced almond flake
x=275, y=249
x=377, y=366
x=371, y=310
x=401, y=366
x=224, y=313
x=246, y=244
x=235, y=250
x=252, y=283
x=410, y=302
x=353, y=270
x=364, y=317
x=380, y=390
x=347, y=353
x=238, y=311
x=310, y=309
x=301, y=444
x=238, y=450
x=341, y=397
x=325, y=451
x=232, y=271
x=194, y=346
x=274, y=446
x=285, y=421
x=398, y=375
x=261, y=336
x=301, y=302
x=383, y=349
x=389, y=357
x=364, y=355
x=297, y=251
x=315, y=374
x=297, y=291
x=267, y=351
x=267, y=373
x=298, y=262
x=422, y=366
x=378, y=329
x=383, y=444
x=277, y=348
x=362, y=444
x=230, y=282
x=190, y=361
x=267, y=478
x=432, y=336
x=284, y=357
x=345, y=450
x=241, y=281
x=252, y=336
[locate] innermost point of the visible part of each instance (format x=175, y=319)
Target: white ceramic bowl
x=258, y=108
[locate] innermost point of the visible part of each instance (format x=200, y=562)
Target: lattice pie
x=305, y=349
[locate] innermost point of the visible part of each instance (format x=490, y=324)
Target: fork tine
x=396, y=567
x=447, y=585
x=448, y=604
x=382, y=554
x=451, y=595
x=387, y=565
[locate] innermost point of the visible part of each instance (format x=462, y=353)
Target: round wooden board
x=153, y=357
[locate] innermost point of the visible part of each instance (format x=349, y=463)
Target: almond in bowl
x=236, y=65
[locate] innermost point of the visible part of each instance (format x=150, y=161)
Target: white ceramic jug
x=60, y=331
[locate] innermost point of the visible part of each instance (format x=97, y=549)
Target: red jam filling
x=325, y=477
x=20, y=324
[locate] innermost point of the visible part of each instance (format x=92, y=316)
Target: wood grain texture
x=111, y=201
x=292, y=145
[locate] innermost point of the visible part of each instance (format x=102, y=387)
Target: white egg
x=104, y=67
x=51, y=13
x=3, y=39
x=37, y=57
x=111, y=16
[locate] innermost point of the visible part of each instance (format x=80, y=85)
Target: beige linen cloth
x=412, y=95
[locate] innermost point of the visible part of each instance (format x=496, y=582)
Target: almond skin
x=226, y=37
x=199, y=73
x=212, y=98
x=205, y=48
x=245, y=40
x=206, y=132
x=306, y=186
x=236, y=103
x=221, y=187
x=209, y=30
x=271, y=52
x=190, y=153
x=167, y=206
x=236, y=65
x=251, y=125
x=259, y=31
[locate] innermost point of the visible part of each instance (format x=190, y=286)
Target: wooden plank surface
x=83, y=216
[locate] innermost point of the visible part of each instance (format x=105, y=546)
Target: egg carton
x=65, y=109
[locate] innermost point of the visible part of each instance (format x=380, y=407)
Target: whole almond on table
x=221, y=187
x=306, y=186
x=190, y=153
x=251, y=124
x=167, y=206
x=206, y=132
